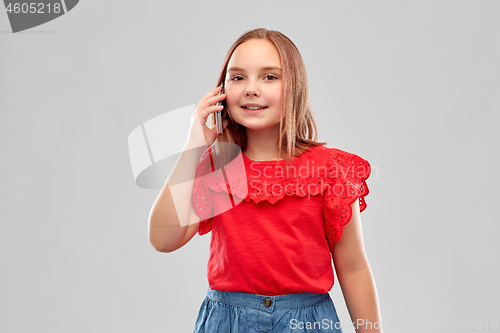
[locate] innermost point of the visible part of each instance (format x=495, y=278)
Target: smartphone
x=218, y=114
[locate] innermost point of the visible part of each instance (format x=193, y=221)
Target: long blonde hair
x=297, y=130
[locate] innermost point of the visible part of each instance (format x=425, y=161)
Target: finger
x=215, y=91
x=212, y=97
x=213, y=108
x=212, y=93
x=215, y=99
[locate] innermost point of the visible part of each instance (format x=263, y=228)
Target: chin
x=259, y=126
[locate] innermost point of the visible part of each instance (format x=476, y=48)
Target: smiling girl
x=274, y=233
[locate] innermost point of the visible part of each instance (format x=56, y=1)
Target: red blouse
x=273, y=230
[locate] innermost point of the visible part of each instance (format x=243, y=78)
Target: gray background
x=413, y=87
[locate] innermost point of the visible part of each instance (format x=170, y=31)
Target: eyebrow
x=269, y=68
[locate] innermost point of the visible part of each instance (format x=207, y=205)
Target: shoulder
x=340, y=162
x=323, y=150
x=333, y=155
x=342, y=156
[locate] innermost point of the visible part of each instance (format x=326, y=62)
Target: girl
x=280, y=206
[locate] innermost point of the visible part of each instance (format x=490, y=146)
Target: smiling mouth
x=254, y=108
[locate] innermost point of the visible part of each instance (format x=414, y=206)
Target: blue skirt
x=234, y=311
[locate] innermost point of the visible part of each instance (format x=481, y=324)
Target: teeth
x=254, y=107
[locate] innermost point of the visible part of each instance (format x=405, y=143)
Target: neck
x=262, y=145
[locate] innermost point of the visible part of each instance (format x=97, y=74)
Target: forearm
x=170, y=216
x=360, y=294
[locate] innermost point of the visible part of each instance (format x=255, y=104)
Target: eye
x=271, y=77
x=236, y=77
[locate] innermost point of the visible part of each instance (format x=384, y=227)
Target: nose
x=252, y=89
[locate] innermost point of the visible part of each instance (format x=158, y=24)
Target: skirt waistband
x=266, y=303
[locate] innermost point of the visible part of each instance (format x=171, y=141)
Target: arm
x=356, y=278
x=173, y=221
x=172, y=225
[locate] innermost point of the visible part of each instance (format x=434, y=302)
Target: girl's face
x=254, y=78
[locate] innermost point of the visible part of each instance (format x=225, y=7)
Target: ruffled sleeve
x=202, y=194
x=347, y=175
